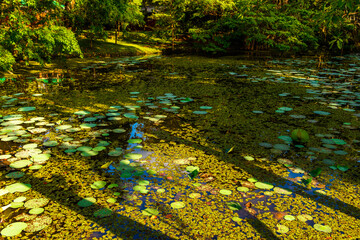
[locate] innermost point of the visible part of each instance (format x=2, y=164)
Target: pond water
x=183, y=147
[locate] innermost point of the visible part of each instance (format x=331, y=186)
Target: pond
x=183, y=147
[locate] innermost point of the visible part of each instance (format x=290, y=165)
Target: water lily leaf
x=18, y=187
x=89, y=153
x=26, y=109
x=225, y=192
x=16, y=204
x=289, y=217
x=41, y=158
x=81, y=113
x=36, y=203
x=200, y=112
x=63, y=127
x=113, y=185
x=342, y=168
x=282, y=191
x=133, y=156
x=263, y=185
x=192, y=168
x=134, y=140
x=98, y=185
x=30, y=146
x=316, y=172
x=249, y=158
x=36, y=211
x=236, y=219
x=13, y=229
x=98, y=148
x=20, y=164
x=105, y=212
x=304, y=217
x=229, y=150
x=119, y=130
x=194, y=195
x=306, y=181
x=243, y=189
x=143, y=182
x=86, y=202
x=281, y=228
x=322, y=228
x=150, y=212
x=160, y=190
x=19, y=199
x=234, y=206
x=177, y=205
x=16, y=174
x=321, y=112
x=38, y=223
x=193, y=174
x=111, y=200
x=50, y=143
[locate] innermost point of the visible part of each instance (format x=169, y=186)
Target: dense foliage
x=41, y=29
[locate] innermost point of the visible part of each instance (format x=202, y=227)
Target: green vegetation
x=42, y=29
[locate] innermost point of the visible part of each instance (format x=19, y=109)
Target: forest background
x=40, y=30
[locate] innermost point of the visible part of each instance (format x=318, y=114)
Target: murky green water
x=183, y=148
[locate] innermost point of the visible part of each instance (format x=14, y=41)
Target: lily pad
x=249, y=158
x=16, y=174
x=289, y=217
x=133, y=156
x=111, y=200
x=81, y=113
x=281, y=228
x=194, y=195
x=36, y=211
x=323, y=228
x=98, y=185
x=243, y=189
x=105, y=212
x=225, y=192
x=50, y=143
x=235, y=206
x=177, y=205
x=13, y=229
x=36, y=203
x=26, y=109
x=304, y=217
x=38, y=224
x=86, y=202
x=150, y=212
x=263, y=185
x=18, y=187
x=134, y=140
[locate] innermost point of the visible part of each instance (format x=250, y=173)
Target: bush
x=7, y=60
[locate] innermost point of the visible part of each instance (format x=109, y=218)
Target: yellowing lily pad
x=262, y=185
x=150, y=212
x=13, y=229
x=225, y=192
x=98, y=185
x=177, y=205
x=36, y=211
x=281, y=228
x=20, y=164
x=18, y=187
x=323, y=228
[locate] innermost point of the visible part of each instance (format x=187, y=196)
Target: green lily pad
x=86, y=202
x=143, y=182
x=13, y=229
x=115, y=153
x=289, y=217
x=36, y=203
x=225, y=192
x=18, y=187
x=236, y=219
x=36, y=211
x=235, y=206
x=26, y=109
x=192, y=168
x=160, y=190
x=321, y=112
x=50, y=143
x=342, y=168
x=35, y=167
x=16, y=174
x=113, y=185
x=111, y=200
x=134, y=140
x=98, y=185
x=263, y=185
x=177, y=205
x=150, y=212
x=19, y=199
x=200, y=112
x=63, y=127
x=133, y=156
x=243, y=189
x=323, y=228
x=20, y=164
x=119, y=130
x=89, y=153
x=98, y=148
x=105, y=212
x=81, y=113
x=88, y=125
x=249, y=158
x=16, y=204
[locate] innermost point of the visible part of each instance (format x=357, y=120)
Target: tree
x=31, y=30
